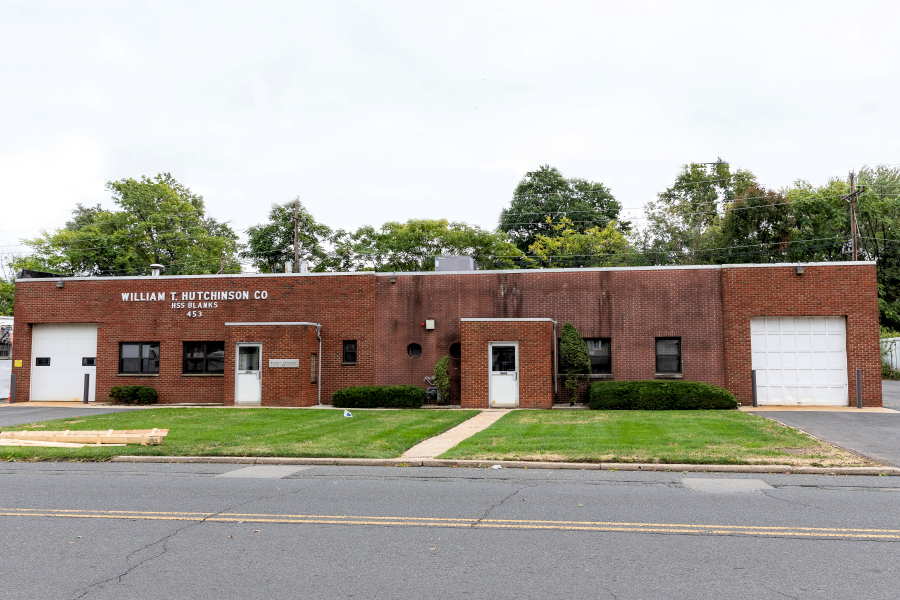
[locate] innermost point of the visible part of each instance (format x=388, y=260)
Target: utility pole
x=297, y=235
x=855, y=191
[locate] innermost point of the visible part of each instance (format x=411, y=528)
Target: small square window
x=349, y=356
x=42, y=362
x=137, y=358
x=89, y=361
x=668, y=355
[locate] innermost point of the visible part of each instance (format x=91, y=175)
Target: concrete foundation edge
x=509, y=464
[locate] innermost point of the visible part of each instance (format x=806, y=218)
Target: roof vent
x=156, y=269
x=454, y=263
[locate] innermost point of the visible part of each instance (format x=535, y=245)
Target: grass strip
x=689, y=437
x=253, y=432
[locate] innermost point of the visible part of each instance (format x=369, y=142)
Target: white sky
x=377, y=111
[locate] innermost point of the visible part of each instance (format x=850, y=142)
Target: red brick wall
x=535, y=361
x=344, y=304
x=848, y=290
x=632, y=307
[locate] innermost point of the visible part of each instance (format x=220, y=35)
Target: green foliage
x=442, y=379
x=380, y=396
x=546, y=193
x=271, y=244
x=6, y=297
x=569, y=247
x=133, y=394
x=159, y=221
x=575, y=358
x=412, y=246
x=659, y=395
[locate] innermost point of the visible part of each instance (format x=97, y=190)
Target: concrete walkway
x=439, y=444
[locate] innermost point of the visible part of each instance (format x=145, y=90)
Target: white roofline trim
x=837, y=263
x=481, y=272
x=489, y=319
x=263, y=323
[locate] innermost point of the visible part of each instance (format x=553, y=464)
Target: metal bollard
x=858, y=388
x=753, y=382
x=87, y=386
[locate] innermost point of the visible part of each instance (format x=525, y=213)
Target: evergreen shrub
x=133, y=394
x=379, y=396
x=659, y=395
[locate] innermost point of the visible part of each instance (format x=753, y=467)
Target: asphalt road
x=112, y=531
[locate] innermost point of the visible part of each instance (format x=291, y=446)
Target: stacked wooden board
x=77, y=439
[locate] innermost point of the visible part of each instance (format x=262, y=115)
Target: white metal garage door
x=800, y=360
x=66, y=345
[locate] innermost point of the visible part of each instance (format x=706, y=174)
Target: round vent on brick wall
x=455, y=350
x=414, y=350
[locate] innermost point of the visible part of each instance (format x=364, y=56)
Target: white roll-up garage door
x=800, y=360
x=61, y=355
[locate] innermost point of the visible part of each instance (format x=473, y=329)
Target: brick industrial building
x=294, y=339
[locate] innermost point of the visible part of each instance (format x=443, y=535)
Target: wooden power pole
x=297, y=235
x=855, y=191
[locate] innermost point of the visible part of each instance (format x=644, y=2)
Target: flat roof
x=438, y=273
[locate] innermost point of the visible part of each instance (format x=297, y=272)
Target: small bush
x=442, y=379
x=659, y=395
x=133, y=394
x=379, y=396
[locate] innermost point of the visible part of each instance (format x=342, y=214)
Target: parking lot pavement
x=876, y=435
x=890, y=394
x=11, y=414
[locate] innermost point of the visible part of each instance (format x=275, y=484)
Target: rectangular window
x=139, y=358
x=599, y=351
x=349, y=357
x=89, y=361
x=5, y=350
x=42, y=362
x=204, y=358
x=668, y=355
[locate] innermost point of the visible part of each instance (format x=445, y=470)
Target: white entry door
x=800, y=360
x=248, y=381
x=61, y=355
x=504, y=374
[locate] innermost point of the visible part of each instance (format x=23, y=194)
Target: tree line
x=710, y=214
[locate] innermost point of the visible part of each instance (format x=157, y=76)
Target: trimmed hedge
x=379, y=396
x=133, y=394
x=659, y=395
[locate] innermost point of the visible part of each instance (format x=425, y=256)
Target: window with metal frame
x=599, y=349
x=668, y=355
x=349, y=353
x=139, y=358
x=5, y=350
x=204, y=358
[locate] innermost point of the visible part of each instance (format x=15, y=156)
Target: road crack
x=164, y=541
x=493, y=507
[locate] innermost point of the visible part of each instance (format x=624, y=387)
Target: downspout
x=555, y=362
x=319, y=378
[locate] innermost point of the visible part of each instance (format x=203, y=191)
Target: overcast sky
x=378, y=111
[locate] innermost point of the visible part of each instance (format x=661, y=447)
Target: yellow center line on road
x=599, y=526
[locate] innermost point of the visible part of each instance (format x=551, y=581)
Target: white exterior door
x=800, y=360
x=61, y=355
x=504, y=374
x=248, y=381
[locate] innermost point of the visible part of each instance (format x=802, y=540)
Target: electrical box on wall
x=429, y=323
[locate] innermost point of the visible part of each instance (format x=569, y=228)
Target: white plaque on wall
x=290, y=363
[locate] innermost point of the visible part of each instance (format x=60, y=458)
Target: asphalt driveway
x=20, y=415
x=876, y=435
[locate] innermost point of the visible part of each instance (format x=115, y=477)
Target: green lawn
x=697, y=437
x=254, y=432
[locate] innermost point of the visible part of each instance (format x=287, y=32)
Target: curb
x=510, y=464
